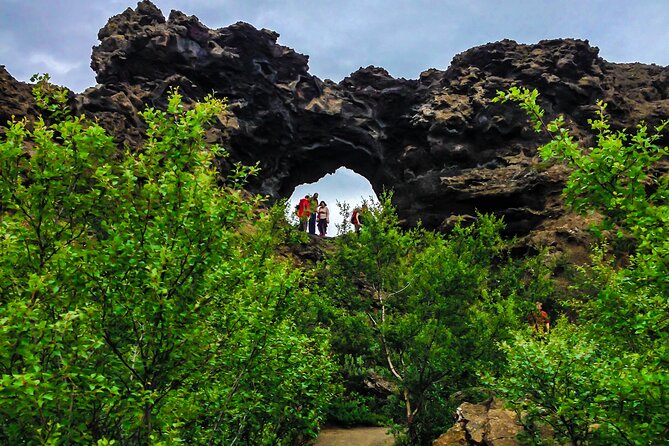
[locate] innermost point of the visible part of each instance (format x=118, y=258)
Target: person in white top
x=323, y=216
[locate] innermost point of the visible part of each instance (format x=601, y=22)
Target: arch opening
x=343, y=186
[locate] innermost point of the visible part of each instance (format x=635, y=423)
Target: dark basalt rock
x=16, y=98
x=438, y=141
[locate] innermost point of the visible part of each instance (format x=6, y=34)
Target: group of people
x=312, y=214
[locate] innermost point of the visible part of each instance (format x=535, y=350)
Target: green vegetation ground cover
x=143, y=299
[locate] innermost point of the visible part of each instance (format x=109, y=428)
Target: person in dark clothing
x=313, y=206
x=356, y=220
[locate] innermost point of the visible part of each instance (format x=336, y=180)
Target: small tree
x=424, y=310
x=345, y=212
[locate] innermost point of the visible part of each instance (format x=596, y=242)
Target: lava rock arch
x=437, y=141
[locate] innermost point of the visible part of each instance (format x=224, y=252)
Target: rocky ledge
x=437, y=141
x=485, y=424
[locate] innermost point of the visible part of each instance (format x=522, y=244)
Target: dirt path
x=357, y=436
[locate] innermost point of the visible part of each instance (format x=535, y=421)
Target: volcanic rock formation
x=437, y=141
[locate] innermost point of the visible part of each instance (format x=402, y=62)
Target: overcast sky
x=405, y=37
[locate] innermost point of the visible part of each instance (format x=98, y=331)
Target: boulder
x=455, y=436
x=16, y=98
x=484, y=424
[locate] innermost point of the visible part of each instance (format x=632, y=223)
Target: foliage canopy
x=604, y=378
x=140, y=301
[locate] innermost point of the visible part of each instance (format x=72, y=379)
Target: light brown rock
x=475, y=418
x=488, y=424
x=502, y=428
x=456, y=436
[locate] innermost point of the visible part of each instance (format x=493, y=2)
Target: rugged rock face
x=437, y=141
x=482, y=424
x=16, y=98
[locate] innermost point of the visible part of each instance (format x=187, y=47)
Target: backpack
x=354, y=217
x=303, y=208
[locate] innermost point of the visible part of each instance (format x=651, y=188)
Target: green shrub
x=353, y=409
x=140, y=301
x=423, y=311
x=603, y=379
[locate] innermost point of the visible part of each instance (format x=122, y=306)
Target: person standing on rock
x=323, y=215
x=356, y=220
x=303, y=212
x=313, y=207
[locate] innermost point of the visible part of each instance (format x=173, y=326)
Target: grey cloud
x=403, y=36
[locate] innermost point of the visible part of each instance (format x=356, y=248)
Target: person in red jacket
x=303, y=212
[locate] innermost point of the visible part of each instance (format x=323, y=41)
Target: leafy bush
x=603, y=380
x=140, y=302
x=353, y=409
x=424, y=311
